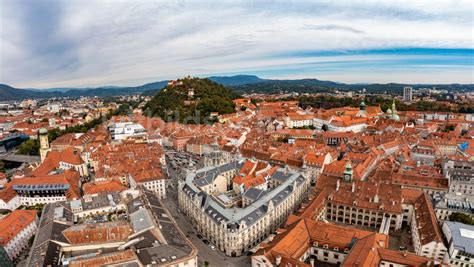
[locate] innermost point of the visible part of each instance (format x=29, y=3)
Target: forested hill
x=319, y=86
x=189, y=97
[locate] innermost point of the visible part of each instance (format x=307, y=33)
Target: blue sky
x=59, y=43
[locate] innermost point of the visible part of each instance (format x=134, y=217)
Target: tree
x=64, y=112
x=462, y=218
x=123, y=109
x=449, y=128
x=2, y=166
x=29, y=147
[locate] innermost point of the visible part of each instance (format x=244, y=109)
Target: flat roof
x=462, y=236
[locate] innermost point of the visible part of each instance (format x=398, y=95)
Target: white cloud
x=122, y=42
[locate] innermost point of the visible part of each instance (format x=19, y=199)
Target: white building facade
x=236, y=230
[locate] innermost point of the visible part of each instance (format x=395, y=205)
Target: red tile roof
x=7, y=193
x=105, y=259
x=53, y=159
x=108, y=186
x=68, y=177
x=13, y=223
x=98, y=233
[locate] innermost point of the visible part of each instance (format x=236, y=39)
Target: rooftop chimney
x=278, y=260
x=376, y=199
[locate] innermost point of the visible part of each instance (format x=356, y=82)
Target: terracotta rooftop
x=302, y=234
x=106, y=259
x=7, y=193
x=428, y=228
x=67, y=177
x=364, y=194
x=111, y=185
x=13, y=223
x=98, y=233
x=53, y=159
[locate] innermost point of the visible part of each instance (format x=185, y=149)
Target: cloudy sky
x=49, y=43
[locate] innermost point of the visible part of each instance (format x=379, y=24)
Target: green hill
x=191, y=100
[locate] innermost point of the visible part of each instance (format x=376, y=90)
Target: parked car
x=205, y=242
x=212, y=247
x=199, y=236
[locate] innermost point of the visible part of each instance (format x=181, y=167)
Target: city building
x=426, y=235
x=460, y=238
x=407, y=93
x=110, y=229
x=9, y=199
x=453, y=203
x=215, y=156
x=382, y=207
x=127, y=130
x=56, y=161
x=47, y=189
x=363, y=203
x=237, y=205
x=309, y=243
x=151, y=178
x=132, y=164
x=298, y=120
x=16, y=229
x=460, y=174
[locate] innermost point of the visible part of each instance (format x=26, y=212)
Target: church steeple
x=395, y=116
x=44, y=143
x=361, y=112
x=348, y=172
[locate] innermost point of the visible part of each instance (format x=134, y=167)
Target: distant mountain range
x=9, y=93
x=240, y=83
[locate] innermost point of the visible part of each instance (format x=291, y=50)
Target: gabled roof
x=7, y=193
x=14, y=223
x=54, y=158
x=426, y=222
x=98, y=233
x=111, y=185
x=68, y=180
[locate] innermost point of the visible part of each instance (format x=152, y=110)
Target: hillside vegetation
x=191, y=100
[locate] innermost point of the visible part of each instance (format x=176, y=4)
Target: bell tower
x=44, y=143
x=348, y=172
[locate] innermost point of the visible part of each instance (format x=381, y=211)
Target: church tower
x=348, y=172
x=395, y=116
x=362, y=112
x=44, y=143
